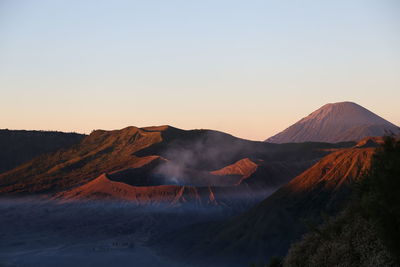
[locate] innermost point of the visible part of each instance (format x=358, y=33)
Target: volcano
x=162, y=164
x=336, y=122
x=271, y=226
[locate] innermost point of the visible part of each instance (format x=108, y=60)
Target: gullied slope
x=100, y=152
x=153, y=157
x=333, y=173
x=269, y=228
x=336, y=122
x=243, y=168
x=280, y=218
x=102, y=188
x=243, y=181
x=366, y=232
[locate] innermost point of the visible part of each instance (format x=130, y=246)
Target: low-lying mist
x=36, y=232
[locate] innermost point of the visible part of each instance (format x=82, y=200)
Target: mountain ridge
x=20, y=146
x=164, y=155
x=268, y=229
x=335, y=122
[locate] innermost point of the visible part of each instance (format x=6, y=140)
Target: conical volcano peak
x=346, y=112
x=336, y=122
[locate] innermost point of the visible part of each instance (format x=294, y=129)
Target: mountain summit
x=335, y=122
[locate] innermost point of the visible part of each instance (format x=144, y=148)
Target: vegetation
x=19, y=146
x=379, y=195
x=367, y=232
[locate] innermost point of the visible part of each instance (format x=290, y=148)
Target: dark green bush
x=379, y=194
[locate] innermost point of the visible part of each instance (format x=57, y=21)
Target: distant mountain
x=152, y=163
x=336, y=122
x=270, y=227
x=19, y=146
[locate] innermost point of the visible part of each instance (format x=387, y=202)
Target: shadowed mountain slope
x=336, y=122
x=104, y=188
x=162, y=155
x=100, y=152
x=241, y=183
x=270, y=227
x=18, y=146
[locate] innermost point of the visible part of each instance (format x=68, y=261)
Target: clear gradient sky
x=249, y=68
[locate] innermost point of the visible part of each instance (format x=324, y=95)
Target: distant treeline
x=19, y=146
x=38, y=131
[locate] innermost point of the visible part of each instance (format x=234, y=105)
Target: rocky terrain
x=163, y=164
x=270, y=227
x=150, y=195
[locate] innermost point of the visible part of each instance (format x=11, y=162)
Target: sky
x=248, y=68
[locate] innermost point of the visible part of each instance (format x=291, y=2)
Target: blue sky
x=249, y=68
